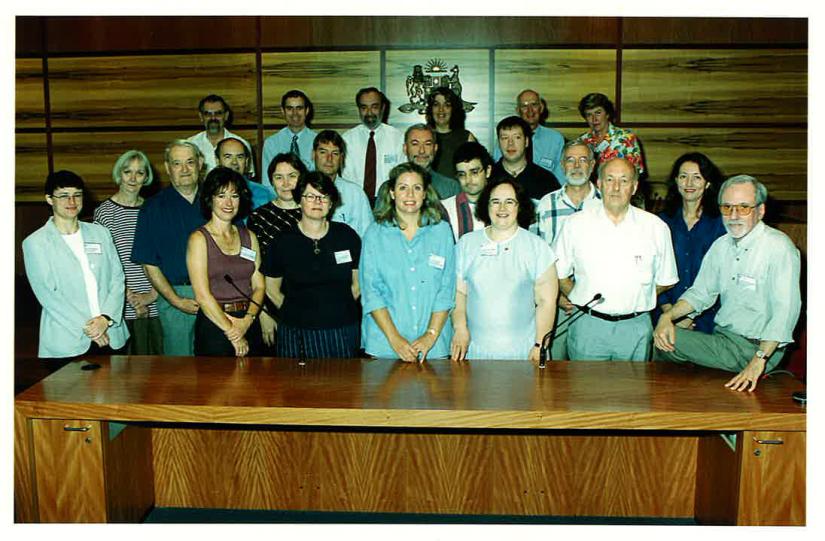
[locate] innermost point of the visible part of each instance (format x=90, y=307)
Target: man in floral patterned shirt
x=607, y=140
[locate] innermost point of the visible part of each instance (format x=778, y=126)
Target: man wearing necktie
x=296, y=137
x=373, y=147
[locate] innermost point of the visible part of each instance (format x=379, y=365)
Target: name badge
x=247, y=253
x=343, y=257
x=437, y=261
x=489, y=248
x=93, y=248
x=748, y=282
x=546, y=162
x=390, y=159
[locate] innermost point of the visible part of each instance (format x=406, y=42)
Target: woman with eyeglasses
x=445, y=114
x=312, y=277
x=407, y=271
x=693, y=217
x=75, y=273
x=222, y=259
x=119, y=215
x=506, y=285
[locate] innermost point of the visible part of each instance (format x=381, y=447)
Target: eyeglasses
x=584, y=160
x=741, y=209
x=67, y=196
x=508, y=203
x=312, y=198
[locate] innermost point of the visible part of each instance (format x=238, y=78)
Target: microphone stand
x=544, y=351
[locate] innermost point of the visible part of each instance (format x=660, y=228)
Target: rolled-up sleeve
x=784, y=296
x=373, y=289
x=445, y=297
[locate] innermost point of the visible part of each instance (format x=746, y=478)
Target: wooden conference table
x=613, y=439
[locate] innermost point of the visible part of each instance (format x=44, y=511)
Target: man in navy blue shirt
x=163, y=229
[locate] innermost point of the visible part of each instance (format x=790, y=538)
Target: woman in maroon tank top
x=223, y=261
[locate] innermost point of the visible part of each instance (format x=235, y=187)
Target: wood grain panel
x=69, y=471
x=717, y=481
x=30, y=107
x=474, y=76
x=130, y=490
x=776, y=156
x=104, y=34
x=426, y=473
x=31, y=166
x=562, y=77
x=698, y=30
x=772, y=486
x=330, y=79
x=25, y=495
x=639, y=396
x=135, y=91
x=93, y=154
x=713, y=85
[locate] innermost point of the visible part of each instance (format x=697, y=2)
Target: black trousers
x=210, y=340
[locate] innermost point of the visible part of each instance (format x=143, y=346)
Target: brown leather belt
x=239, y=306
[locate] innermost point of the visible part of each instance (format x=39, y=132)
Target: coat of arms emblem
x=424, y=79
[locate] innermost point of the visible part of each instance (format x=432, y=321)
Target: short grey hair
x=125, y=159
x=182, y=143
x=761, y=190
x=418, y=126
x=628, y=162
x=578, y=143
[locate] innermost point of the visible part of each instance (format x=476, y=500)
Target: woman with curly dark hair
x=223, y=259
x=506, y=285
x=692, y=214
x=445, y=114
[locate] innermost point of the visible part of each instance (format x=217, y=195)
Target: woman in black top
x=312, y=276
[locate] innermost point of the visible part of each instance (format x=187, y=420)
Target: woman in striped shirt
x=118, y=214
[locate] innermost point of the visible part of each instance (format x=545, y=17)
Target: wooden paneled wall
x=89, y=88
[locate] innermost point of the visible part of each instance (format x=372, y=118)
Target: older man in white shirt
x=215, y=113
x=373, y=148
x=622, y=253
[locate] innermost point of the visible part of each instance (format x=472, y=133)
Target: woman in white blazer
x=74, y=271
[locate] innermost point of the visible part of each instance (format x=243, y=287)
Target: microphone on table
x=245, y=296
x=544, y=351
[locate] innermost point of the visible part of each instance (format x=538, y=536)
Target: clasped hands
x=96, y=329
x=236, y=333
x=415, y=351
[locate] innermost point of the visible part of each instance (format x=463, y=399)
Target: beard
x=577, y=179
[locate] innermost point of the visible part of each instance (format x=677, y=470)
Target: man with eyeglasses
x=546, y=143
x=514, y=139
x=754, y=271
x=625, y=255
x=473, y=167
x=215, y=114
x=162, y=232
x=556, y=207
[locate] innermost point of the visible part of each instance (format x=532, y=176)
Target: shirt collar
x=751, y=238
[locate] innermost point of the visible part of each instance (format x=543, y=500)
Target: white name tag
x=489, y=248
x=390, y=159
x=247, y=253
x=748, y=282
x=93, y=248
x=436, y=261
x=546, y=162
x=343, y=257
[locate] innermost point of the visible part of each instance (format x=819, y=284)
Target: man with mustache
x=420, y=148
x=624, y=254
x=546, y=143
x=373, y=147
x=556, y=207
x=754, y=271
x=514, y=140
x=214, y=114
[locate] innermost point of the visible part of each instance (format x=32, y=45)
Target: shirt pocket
x=643, y=266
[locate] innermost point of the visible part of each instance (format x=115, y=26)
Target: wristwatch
x=109, y=320
x=762, y=355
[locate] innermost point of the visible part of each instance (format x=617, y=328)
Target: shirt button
x=413, y=307
x=412, y=269
x=409, y=251
x=413, y=288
